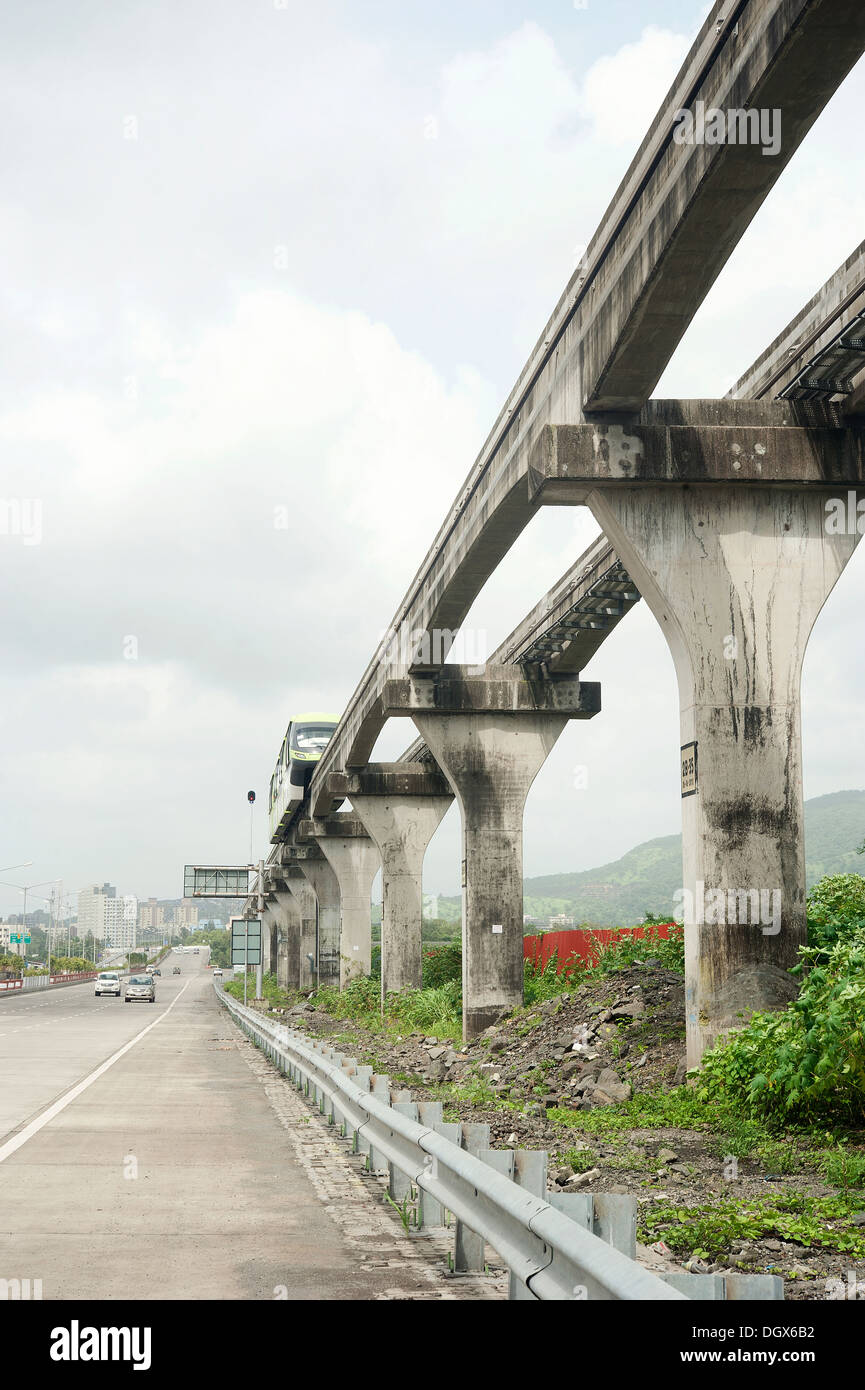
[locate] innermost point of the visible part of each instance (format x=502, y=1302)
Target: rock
x=560, y=1175
x=513, y=1138
x=582, y=1179
x=642, y=1062
x=611, y=1094
x=565, y=1042
x=681, y=1072
x=607, y=1076
x=858, y=1219
x=666, y=1155
x=572, y=1067
x=436, y=1052
x=498, y=1045
x=772, y=1244
x=632, y=1010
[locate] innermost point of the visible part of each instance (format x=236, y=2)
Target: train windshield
x=311, y=738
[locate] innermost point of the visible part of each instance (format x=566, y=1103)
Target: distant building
x=561, y=922
x=99, y=910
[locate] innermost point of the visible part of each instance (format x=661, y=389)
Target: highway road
x=149, y=1151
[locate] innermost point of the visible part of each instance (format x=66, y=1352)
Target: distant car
x=154, y=970
x=176, y=970
x=141, y=987
x=107, y=982
x=217, y=974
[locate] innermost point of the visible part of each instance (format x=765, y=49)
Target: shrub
x=544, y=981
x=808, y=1060
x=836, y=907
x=442, y=965
x=626, y=949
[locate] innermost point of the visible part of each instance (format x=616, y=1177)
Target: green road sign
x=245, y=948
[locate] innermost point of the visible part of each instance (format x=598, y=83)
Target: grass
x=709, y=1229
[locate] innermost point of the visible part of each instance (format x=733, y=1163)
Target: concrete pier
x=306, y=906
x=724, y=528
x=490, y=739
x=326, y=888
x=354, y=861
x=402, y=806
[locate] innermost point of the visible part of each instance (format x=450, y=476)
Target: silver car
x=141, y=987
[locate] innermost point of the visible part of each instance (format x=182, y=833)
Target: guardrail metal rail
x=556, y=1245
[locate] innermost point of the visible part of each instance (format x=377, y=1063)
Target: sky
x=270, y=270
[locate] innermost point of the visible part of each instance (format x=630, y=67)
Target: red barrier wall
x=568, y=944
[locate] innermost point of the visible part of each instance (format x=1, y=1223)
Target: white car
x=108, y=982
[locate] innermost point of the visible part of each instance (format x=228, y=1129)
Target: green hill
x=645, y=879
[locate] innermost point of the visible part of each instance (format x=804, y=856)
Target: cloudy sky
x=267, y=260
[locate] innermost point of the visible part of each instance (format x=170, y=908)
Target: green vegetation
x=836, y=908
x=437, y=1010
x=219, y=942
x=709, y=1230
x=805, y=1063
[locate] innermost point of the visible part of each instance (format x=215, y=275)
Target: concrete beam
x=501, y=690
x=835, y=307
x=696, y=199
x=571, y=461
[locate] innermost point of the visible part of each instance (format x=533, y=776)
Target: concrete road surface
x=149, y=1151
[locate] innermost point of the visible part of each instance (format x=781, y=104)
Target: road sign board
x=215, y=881
x=245, y=941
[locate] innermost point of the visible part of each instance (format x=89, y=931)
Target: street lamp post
x=25, y=889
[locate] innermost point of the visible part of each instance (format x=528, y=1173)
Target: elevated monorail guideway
x=678, y=215
x=713, y=512
x=820, y=355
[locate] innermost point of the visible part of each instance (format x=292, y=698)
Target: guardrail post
x=380, y=1088
x=750, y=1287
x=400, y=1185
x=431, y=1213
x=702, y=1288
x=530, y=1173
x=468, y=1246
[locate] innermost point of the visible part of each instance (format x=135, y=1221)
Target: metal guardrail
x=549, y=1255
x=31, y=982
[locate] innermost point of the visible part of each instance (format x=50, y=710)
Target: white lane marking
x=12, y=1145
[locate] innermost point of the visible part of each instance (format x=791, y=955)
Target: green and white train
x=305, y=740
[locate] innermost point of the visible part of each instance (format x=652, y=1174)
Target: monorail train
x=305, y=740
